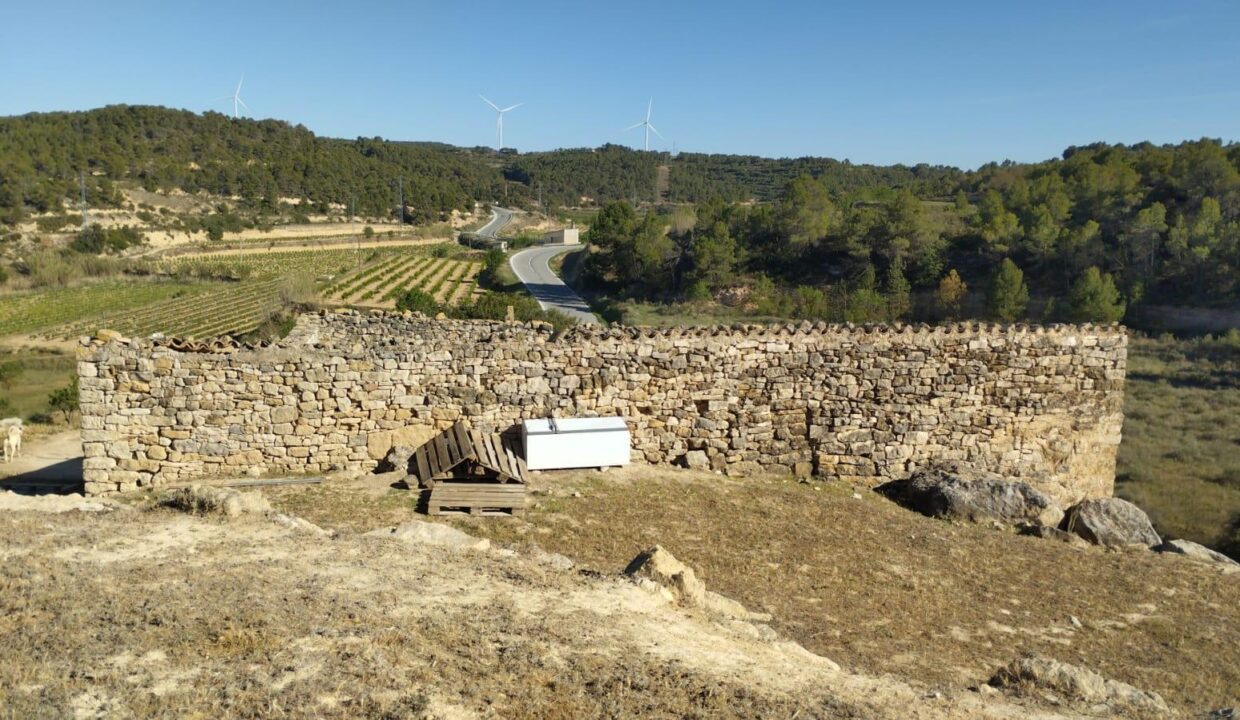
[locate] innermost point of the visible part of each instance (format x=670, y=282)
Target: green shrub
x=415, y=300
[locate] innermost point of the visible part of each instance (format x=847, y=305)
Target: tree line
x=1080, y=237
x=44, y=155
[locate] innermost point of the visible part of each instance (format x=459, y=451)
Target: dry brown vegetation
x=149, y=612
x=880, y=589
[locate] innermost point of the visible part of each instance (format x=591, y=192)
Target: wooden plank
x=501, y=462
x=424, y=467
x=502, y=456
x=441, y=450
x=522, y=471
x=496, y=461
x=512, y=460
x=449, y=440
x=462, y=441
x=493, y=454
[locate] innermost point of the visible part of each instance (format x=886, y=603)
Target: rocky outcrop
x=958, y=492
x=1112, y=522
x=1198, y=552
x=662, y=569
x=1077, y=684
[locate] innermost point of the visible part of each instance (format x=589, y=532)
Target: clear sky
x=948, y=82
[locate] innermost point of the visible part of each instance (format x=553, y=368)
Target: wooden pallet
x=476, y=498
x=459, y=452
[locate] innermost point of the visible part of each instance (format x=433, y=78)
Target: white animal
x=12, y=442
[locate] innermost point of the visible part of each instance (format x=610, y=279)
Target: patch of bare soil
x=880, y=589
x=158, y=613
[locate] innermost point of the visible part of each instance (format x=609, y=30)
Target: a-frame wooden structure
x=470, y=471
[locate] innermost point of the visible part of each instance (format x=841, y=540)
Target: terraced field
x=224, y=309
x=450, y=281
x=37, y=310
x=203, y=309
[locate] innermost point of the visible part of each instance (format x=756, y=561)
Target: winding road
x=499, y=218
x=533, y=268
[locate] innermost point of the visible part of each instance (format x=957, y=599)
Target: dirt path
x=47, y=462
x=295, y=247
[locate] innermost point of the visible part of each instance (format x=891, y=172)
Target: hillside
x=877, y=612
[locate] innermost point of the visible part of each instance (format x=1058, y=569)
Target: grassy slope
x=1180, y=457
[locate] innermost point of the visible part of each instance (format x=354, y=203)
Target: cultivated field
x=244, y=290
x=449, y=281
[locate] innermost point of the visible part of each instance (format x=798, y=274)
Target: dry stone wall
x=862, y=403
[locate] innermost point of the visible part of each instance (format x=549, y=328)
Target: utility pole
x=400, y=182
x=82, y=186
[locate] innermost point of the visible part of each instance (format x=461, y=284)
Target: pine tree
x=898, y=301
x=1094, y=298
x=1008, y=293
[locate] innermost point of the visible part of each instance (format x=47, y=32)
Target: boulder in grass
x=959, y=492
x=1192, y=550
x=397, y=459
x=1112, y=522
x=661, y=569
x=1077, y=684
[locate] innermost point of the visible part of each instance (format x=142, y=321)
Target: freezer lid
x=561, y=426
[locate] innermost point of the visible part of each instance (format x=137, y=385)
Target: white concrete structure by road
x=564, y=236
x=533, y=268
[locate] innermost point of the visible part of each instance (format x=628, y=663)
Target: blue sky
x=958, y=83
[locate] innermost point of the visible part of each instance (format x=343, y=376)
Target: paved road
x=532, y=268
x=499, y=218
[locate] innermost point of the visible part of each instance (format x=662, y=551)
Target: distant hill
x=259, y=161
x=41, y=155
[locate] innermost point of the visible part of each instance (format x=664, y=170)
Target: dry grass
x=880, y=589
x=145, y=614
x=1180, y=457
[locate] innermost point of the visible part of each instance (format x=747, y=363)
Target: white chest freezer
x=555, y=443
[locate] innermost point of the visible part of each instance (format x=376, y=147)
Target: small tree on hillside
x=1094, y=298
x=1008, y=293
x=898, y=300
x=65, y=399
x=368, y=232
x=951, y=293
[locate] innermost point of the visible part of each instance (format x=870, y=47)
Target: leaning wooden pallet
x=469, y=471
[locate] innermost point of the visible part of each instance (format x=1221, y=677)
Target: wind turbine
x=236, y=98
x=646, y=123
x=499, y=120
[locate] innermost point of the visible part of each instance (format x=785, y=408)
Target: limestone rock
x=1192, y=550
x=379, y=443
x=1077, y=684
x=292, y=522
x=397, y=459
x=1112, y=522
x=696, y=460
x=959, y=492
x=1052, y=533
x=206, y=500
x=428, y=533
x=661, y=568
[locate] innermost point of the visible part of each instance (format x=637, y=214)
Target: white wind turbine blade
x=239, y=82
x=247, y=107
x=652, y=129
x=511, y=107
x=649, y=107
x=493, y=105
x=634, y=125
